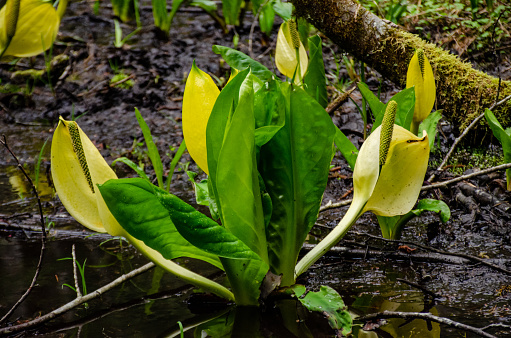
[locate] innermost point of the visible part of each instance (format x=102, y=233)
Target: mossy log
x=462, y=92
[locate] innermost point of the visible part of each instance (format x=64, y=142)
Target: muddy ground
x=470, y=293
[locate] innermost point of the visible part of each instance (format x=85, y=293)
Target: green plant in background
x=125, y=10
x=504, y=137
x=162, y=18
x=28, y=27
x=119, y=41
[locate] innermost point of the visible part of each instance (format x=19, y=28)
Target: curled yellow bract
x=286, y=54
x=199, y=98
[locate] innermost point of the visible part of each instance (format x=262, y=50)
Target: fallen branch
x=444, y=184
x=43, y=235
x=77, y=301
x=465, y=132
x=425, y=316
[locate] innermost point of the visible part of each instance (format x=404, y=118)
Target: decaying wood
x=462, y=91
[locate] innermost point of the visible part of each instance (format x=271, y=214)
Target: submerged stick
x=43, y=235
x=426, y=316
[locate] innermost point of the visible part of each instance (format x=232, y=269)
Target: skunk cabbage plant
x=420, y=75
x=77, y=169
x=28, y=27
x=290, y=55
x=387, y=179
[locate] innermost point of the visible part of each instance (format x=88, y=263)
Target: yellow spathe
x=286, y=55
x=72, y=183
x=36, y=28
x=199, y=98
x=420, y=75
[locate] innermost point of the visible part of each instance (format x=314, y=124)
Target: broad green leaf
x=283, y=9
x=315, y=79
x=405, y=100
x=294, y=165
x=267, y=17
x=202, y=231
x=240, y=61
x=376, y=106
x=231, y=10
x=154, y=155
x=220, y=327
x=348, y=149
x=429, y=124
x=328, y=302
x=245, y=277
x=236, y=180
x=440, y=207
x=133, y=166
x=135, y=205
x=391, y=227
x=217, y=123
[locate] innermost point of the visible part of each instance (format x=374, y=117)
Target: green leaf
x=267, y=17
x=208, y=6
x=405, y=100
x=429, y=124
x=392, y=227
x=202, y=231
x=133, y=166
x=283, y=9
x=231, y=10
x=173, y=164
x=240, y=61
x=236, y=179
x=376, y=106
x=245, y=277
x=217, y=123
x=505, y=139
x=135, y=205
x=328, y=302
x=294, y=165
x=151, y=148
x=315, y=79
x=440, y=207
x=348, y=149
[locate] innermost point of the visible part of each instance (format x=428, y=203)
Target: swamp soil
x=470, y=293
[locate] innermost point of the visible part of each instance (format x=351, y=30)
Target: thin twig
x=466, y=177
x=504, y=166
x=77, y=301
x=472, y=124
x=426, y=316
x=75, y=273
x=420, y=287
x=3, y=141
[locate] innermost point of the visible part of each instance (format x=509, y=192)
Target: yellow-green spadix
x=28, y=27
x=288, y=50
x=420, y=75
x=77, y=167
x=199, y=98
x=387, y=190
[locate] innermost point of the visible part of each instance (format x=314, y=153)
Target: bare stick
x=426, y=316
x=75, y=273
x=466, y=177
x=77, y=301
x=444, y=184
x=472, y=124
x=43, y=235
